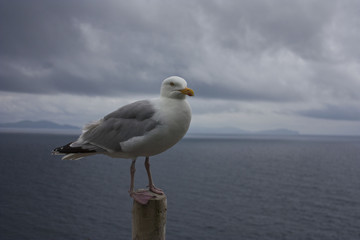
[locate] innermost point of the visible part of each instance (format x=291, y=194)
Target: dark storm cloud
x=110, y=47
x=90, y=47
x=44, y=48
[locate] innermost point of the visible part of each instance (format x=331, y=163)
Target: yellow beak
x=187, y=91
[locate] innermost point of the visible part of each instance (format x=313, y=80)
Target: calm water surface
x=248, y=187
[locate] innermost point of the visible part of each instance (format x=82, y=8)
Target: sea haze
x=45, y=126
x=247, y=187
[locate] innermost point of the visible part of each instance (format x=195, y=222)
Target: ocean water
x=247, y=187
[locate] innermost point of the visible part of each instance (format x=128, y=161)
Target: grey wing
x=127, y=122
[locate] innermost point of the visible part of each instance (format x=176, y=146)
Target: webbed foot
x=156, y=190
x=142, y=197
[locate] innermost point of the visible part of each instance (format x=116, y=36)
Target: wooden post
x=149, y=221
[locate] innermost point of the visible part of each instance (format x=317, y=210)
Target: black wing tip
x=67, y=149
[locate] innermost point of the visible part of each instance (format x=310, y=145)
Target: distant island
x=37, y=124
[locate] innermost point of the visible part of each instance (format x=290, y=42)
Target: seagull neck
x=173, y=95
x=176, y=97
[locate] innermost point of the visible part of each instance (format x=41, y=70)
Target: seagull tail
x=73, y=153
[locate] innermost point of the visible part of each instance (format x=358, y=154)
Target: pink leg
x=152, y=187
x=132, y=174
x=140, y=197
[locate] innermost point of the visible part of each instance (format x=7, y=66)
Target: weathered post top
x=149, y=221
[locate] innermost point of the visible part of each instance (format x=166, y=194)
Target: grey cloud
x=334, y=112
x=37, y=29
x=237, y=93
x=261, y=25
x=140, y=47
x=113, y=47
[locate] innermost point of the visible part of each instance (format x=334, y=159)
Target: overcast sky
x=254, y=65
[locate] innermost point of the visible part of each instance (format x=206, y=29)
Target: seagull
x=141, y=129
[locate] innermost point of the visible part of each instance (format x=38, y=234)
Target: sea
x=217, y=187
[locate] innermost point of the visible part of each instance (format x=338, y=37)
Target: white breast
x=174, y=116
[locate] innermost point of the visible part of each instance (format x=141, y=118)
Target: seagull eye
x=172, y=84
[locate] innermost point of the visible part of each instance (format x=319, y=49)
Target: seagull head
x=175, y=87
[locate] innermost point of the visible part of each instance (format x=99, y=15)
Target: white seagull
x=143, y=128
